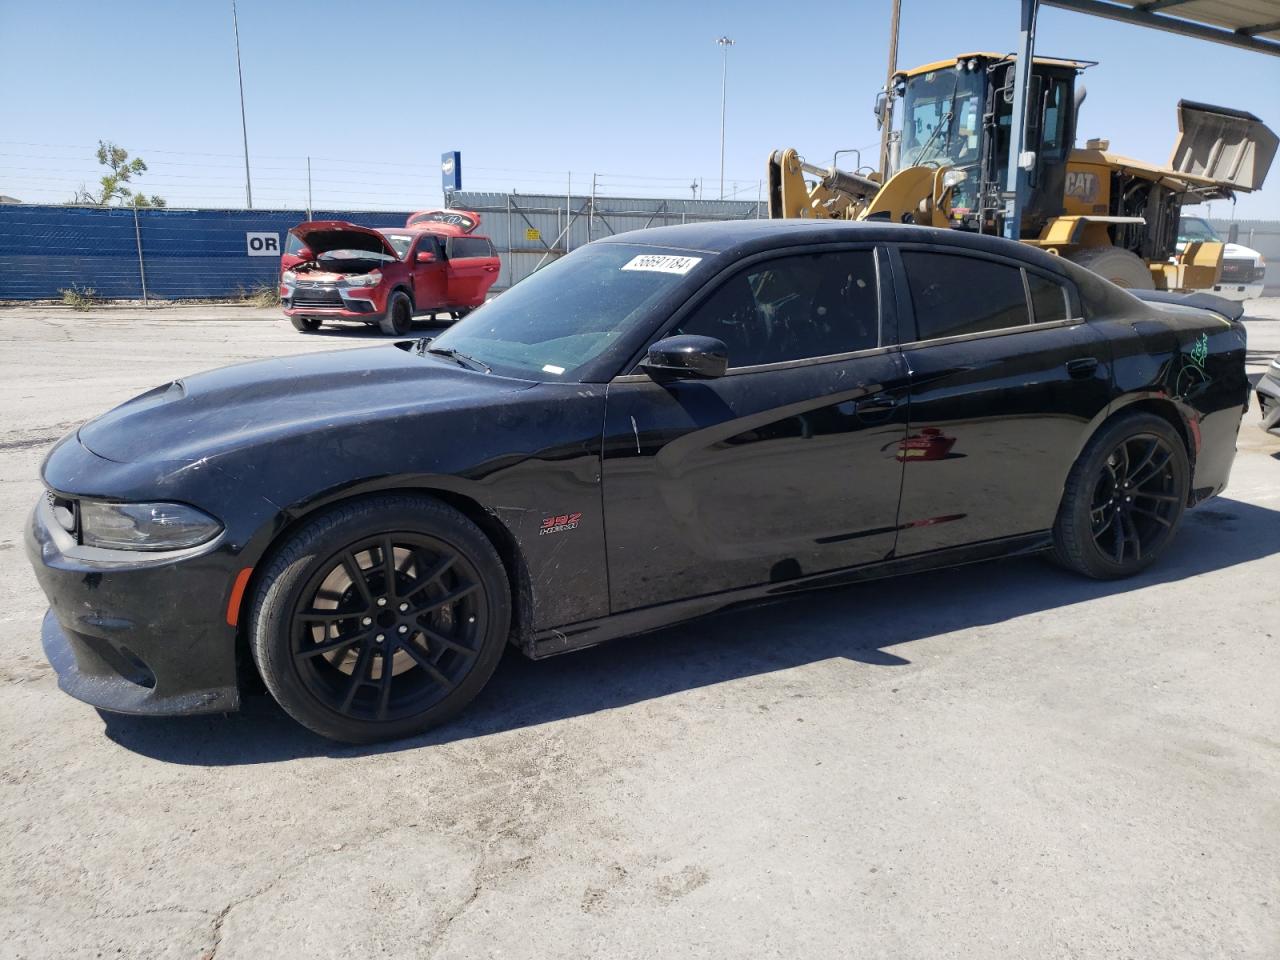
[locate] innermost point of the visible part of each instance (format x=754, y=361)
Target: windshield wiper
x=460, y=358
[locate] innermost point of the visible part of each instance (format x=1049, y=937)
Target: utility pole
x=244, y=129
x=1019, y=160
x=725, y=44
x=886, y=121
x=308, y=188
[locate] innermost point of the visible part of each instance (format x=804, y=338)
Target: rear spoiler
x=1229, y=309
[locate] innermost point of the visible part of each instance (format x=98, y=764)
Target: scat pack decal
x=561, y=523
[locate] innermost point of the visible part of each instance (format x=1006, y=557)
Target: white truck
x=1243, y=268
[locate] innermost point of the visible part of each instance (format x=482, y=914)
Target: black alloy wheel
x=381, y=619
x=388, y=626
x=1136, y=499
x=1124, y=498
x=306, y=324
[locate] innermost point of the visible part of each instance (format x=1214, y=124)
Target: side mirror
x=426, y=256
x=305, y=253
x=686, y=357
x=1233, y=233
x=881, y=108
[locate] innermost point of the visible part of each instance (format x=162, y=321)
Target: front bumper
x=148, y=636
x=331, y=300
x=1237, y=291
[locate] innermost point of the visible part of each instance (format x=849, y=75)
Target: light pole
x=725, y=44
x=244, y=129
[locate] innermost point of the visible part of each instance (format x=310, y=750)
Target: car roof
x=744, y=237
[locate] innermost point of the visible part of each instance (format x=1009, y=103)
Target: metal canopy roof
x=1251, y=24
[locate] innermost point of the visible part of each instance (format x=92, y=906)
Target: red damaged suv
x=334, y=270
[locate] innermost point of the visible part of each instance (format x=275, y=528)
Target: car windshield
x=941, y=118
x=400, y=242
x=1193, y=228
x=556, y=321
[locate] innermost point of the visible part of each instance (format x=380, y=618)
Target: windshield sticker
x=662, y=263
x=552, y=368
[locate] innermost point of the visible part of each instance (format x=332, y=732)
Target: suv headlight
x=366, y=280
x=144, y=526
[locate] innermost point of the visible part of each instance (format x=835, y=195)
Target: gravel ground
x=997, y=761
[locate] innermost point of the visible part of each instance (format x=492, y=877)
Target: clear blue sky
x=377, y=90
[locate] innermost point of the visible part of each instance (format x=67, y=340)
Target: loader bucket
x=1233, y=147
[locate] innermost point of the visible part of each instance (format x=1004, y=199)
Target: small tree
x=114, y=184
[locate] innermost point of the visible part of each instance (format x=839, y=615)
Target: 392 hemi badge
x=559, y=524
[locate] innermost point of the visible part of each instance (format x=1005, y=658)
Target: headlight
x=288, y=276
x=144, y=526
x=367, y=280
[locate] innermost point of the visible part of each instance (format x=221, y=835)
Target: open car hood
x=322, y=236
x=1232, y=147
x=447, y=222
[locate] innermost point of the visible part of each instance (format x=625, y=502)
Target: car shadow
x=363, y=331
x=870, y=623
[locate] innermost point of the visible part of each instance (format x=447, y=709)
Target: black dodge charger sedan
x=657, y=426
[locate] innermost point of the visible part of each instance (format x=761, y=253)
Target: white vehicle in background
x=1243, y=268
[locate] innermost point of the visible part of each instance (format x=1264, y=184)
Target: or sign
x=531, y=234
x=262, y=244
x=451, y=171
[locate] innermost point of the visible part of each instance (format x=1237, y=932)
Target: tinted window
x=462, y=247
x=1048, y=299
x=953, y=295
x=793, y=308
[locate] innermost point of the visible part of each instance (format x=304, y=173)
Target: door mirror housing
x=686, y=357
x=1233, y=233
x=305, y=253
x=426, y=256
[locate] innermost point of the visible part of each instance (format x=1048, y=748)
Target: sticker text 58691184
x=560, y=523
x=662, y=263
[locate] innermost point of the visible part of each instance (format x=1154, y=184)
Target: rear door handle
x=1082, y=368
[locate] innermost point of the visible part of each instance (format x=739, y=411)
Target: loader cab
x=958, y=113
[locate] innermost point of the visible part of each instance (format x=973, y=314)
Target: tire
x=1106, y=529
x=459, y=314
x=399, y=318
x=321, y=634
x=1121, y=267
x=306, y=324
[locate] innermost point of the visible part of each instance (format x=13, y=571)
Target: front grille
x=1239, y=271
x=316, y=295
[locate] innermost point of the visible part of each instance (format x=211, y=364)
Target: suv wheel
x=399, y=318
x=306, y=324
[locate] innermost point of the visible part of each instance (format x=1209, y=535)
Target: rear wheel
x=1124, y=498
x=306, y=324
x=460, y=313
x=399, y=318
x=1121, y=267
x=380, y=618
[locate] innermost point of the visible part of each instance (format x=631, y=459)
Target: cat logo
x=1082, y=186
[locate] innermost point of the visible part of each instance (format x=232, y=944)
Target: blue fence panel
x=186, y=253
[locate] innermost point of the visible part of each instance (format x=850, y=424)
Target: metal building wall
x=529, y=230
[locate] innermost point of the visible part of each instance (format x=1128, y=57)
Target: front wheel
x=1123, y=499
x=399, y=318
x=380, y=618
x=306, y=324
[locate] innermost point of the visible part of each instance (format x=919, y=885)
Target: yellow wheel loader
x=949, y=154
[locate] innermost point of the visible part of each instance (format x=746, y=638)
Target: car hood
x=209, y=414
x=321, y=236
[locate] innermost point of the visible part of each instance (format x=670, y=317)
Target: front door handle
x=1082, y=368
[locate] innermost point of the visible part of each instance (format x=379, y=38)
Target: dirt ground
x=996, y=761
